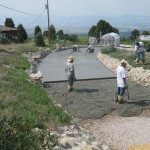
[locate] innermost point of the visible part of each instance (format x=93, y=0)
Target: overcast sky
x=76, y=7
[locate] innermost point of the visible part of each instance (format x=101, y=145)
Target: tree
x=9, y=23
x=60, y=33
x=52, y=32
x=145, y=32
x=39, y=41
x=36, y=30
x=73, y=38
x=45, y=33
x=21, y=34
x=102, y=27
x=134, y=34
x=92, y=31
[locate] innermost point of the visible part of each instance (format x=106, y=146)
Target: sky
x=35, y=8
x=77, y=7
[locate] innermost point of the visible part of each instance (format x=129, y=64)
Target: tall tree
x=102, y=27
x=36, y=30
x=9, y=23
x=21, y=34
x=52, y=32
x=92, y=31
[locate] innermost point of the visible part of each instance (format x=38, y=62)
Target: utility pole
x=47, y=7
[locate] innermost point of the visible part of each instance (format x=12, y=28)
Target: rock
x=138, y=74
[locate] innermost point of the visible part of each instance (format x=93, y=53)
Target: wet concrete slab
x=87, y=66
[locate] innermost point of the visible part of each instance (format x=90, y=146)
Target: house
x=145, y=37
x=10, y=33
x=110, y=39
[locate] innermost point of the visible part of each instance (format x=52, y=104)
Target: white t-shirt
x=90, y=47
x=121, y=73
x=140, y=48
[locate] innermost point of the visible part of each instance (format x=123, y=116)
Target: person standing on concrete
x=121, y=80
x=90, y=48
x=76, y=48
x=70, y=72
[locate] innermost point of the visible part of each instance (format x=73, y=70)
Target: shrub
x=39, y=41
x=4, y=40
x=13, y=138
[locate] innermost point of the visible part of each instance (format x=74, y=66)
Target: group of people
x=90, y=48
x=122, y=85
x=121, y=77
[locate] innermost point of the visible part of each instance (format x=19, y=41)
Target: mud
x=95, y=99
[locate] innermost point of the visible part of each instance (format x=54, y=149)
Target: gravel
x=120, y=132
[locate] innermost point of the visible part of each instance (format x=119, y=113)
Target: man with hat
x=121, y=80
x=76, y=48
x=70, y=72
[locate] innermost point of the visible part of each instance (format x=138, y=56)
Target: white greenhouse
x=110, y=39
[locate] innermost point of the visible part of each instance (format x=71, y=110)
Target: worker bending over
x=90, y=48
x=76, y=48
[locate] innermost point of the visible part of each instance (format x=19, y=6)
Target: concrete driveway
x=87, y=66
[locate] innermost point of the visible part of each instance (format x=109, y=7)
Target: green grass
x=127, y=55
x=24, y=105
x=105, y=50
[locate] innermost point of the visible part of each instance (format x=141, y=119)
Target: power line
x=37, y=18
x=18, y=10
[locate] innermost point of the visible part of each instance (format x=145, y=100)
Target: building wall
x=145, y=37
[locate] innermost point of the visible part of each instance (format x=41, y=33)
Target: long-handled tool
x=128, y=92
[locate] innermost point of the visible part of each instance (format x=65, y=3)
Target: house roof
x=115, y=35
x=3, y=28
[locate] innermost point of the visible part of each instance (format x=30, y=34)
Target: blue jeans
x=121, y=91
x=141, y=54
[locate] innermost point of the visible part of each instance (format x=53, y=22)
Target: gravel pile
x=120, y=132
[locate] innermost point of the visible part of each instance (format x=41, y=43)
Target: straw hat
x=123, y=61
x=70, y=58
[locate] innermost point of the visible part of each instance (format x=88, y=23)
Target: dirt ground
x=92, y=104
x=95, y=99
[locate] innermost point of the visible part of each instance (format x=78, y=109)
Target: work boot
x=137, y=61
x=120, y=99
x=69, y=88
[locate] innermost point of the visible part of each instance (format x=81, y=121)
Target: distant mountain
x=82, y=24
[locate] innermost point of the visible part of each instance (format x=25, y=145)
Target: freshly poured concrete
x=87, y=66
